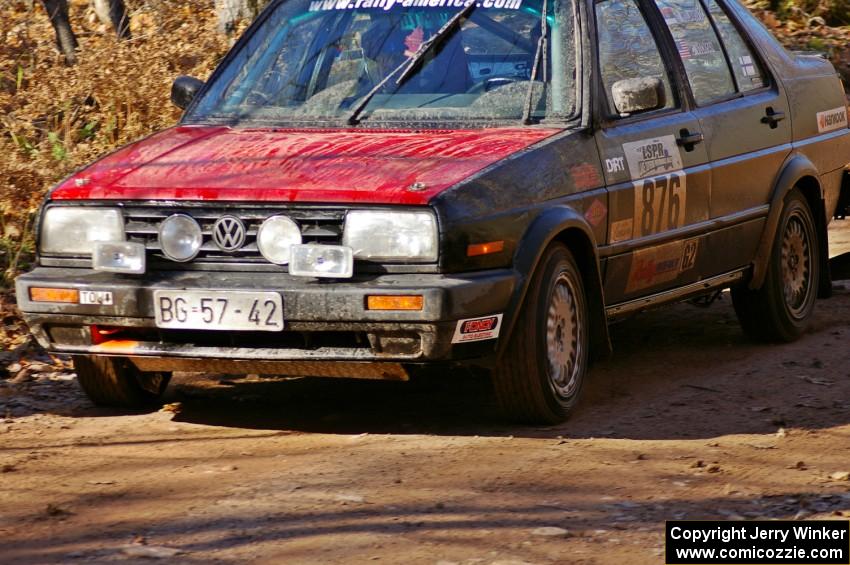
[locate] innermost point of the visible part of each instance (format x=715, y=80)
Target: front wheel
x=781, y=309
x=115, y=381
x=541, y=374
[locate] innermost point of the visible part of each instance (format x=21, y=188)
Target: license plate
x=211, y=310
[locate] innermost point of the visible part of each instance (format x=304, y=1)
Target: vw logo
x=229, y=233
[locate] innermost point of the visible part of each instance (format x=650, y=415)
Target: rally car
x=368, y=187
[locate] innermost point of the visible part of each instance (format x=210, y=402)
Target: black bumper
x=325, y=321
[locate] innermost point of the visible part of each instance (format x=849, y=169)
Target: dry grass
x=55, y=119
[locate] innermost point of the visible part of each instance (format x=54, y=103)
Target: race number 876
x=660, y=203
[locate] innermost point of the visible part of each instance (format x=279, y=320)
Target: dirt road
x=687, y=420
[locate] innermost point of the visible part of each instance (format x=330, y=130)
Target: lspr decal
x=652, y=157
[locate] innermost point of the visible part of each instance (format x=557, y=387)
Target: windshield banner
x=387, y=5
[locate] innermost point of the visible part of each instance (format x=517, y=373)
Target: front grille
x=318, y=225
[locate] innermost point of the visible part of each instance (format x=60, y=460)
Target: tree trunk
x=114, y=13
x=66, y=41
x=230, y=12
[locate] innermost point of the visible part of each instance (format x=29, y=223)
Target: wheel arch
x=798, y=172
x=562, y=224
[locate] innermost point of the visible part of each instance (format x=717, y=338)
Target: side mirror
x=634, y=95
x=184, y=90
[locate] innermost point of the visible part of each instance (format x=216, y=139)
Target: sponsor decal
x=655, y=156
x=98, y=297
x=387, y=5
x=478, y=329
x=586, y=175
x=615, y=165
x=655, y=265
x=596, y=213
x=830, y=120
x=621, y=230
x=689, y=254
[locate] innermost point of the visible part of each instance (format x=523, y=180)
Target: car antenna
x=407, y=66
x=539, y=54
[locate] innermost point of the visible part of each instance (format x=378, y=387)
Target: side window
x=627, y=48
x=699, y=49
x=745, y=65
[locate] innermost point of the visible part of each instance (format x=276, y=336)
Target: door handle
x=772, y=117
x=687, y=139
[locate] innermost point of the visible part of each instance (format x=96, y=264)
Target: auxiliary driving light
x=276, y=237
x=180, y=237
x=326, y=261
x=119, y=257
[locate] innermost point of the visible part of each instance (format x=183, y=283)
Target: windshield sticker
x=689, y=49
x=682, y=15
x=654, y=156
x=834, y=119
x=387, y=5
x=748, y=68
x=478, y=329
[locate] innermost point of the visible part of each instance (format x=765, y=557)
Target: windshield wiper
x=407, y=66
x=539, y=54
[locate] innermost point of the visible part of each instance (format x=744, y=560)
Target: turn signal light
x=397, y=302
x=485, y=248
x=66, y=295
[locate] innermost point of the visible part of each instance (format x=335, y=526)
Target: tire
x=541, y=374
x=115, y=381
x=781, y=309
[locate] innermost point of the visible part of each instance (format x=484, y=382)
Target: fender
x=796, y=167
x=550, y=225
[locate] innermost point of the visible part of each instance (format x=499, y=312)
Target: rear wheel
x=781, y=309
x=541, y=374
x=115, y=381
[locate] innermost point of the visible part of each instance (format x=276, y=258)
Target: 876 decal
x=659, y=203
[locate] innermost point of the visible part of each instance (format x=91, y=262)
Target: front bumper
x=325, y=321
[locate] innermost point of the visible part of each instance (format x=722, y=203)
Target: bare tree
x=111, y=12
x=230, y=12
x=114, y=13
x=66, y=41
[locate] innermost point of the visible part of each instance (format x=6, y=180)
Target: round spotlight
x=276, y=236
x=180, y=237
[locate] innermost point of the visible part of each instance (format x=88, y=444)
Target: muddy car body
x=365, y=188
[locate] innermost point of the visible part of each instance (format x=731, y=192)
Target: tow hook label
x=478, y=329
x=99, y=297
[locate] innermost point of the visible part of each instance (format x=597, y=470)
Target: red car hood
x=323, y=166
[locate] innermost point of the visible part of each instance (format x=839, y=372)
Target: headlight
x=180, y=237
x=276, y=236
x=72, y=231
x=392, y=236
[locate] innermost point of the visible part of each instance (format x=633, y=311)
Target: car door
x=742, y=114
x=656, y=166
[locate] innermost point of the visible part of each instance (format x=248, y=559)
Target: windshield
x=315, y=60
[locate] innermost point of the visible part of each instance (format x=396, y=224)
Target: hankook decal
x=830, y=120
